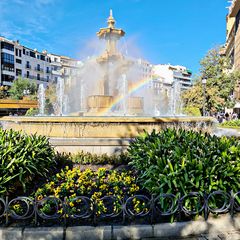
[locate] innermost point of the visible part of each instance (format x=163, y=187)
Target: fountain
x=41, y=99
x=105, y=106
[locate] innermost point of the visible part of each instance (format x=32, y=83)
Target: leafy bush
x=192, y=111
x=22, y=158
x=22, y=87
x=93, y=184
x=97, y=159
x=181, y=161
x=32, y=112
x=232, y=123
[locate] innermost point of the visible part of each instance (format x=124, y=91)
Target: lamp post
x=204, y=81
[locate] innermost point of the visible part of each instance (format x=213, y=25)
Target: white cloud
x=24, y=20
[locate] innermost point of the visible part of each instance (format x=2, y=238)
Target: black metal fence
x=109, y=207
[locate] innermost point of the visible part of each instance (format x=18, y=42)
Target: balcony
x=56, y=72
x=28, y=66
x=7, y=72
x=58, y=64
x=36, y=78
x=234, y=8
x=30, y=76
x=38, y=69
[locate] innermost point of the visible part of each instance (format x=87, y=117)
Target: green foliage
x=32, y=112
x=192, y=111
x=232, y=123
x=219, y=87
x=96, y=159
x=70, y=183
x=3, y=92
x=181, y=161
x=51, y=98
x=22, y=87
x=22, y=158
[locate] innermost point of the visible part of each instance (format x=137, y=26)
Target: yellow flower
x=40, y=197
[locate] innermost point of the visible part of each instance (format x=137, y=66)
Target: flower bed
x=96, y=185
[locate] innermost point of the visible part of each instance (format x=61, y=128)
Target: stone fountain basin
x=97, y=134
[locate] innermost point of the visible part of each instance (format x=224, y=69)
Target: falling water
x=60, y=96
x=175, y=101
x=41, y=99
x=124, y=93
x=82, y=95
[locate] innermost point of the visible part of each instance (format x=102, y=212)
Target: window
x=38, y=76
x=55, y=79
x=20, y=53
x=7, y=58
x=42, y=57
x=18, y=61
x=8, y=67
x=18, y=72
x=24, y=51
x=7, y=78
x=27, y=74
x=7, y=46
x=28, y=65
x=47, y=78
x=55, y=59
x=32, y=54
x=55, y=68
x=16, y=52
x=38, y=57
x=38, y=67
x=47, y=70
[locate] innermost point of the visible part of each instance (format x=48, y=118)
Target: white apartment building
x=173, y=75
x=20, y=61
x=42, y=67
x=144, y=68
x=56, y=67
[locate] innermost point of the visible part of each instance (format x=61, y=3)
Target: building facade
x=173, y=75
x=41, y=67
x=232, y=46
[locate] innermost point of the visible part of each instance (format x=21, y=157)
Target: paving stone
x=43, y=233
x=182, y=229
x=89, y=233
x=132, y=232
x=11, y=233
x=233, y=236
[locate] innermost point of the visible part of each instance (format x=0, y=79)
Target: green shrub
x=22, y=158
x=232, y=123
x=23, y=87
x=192, y=111
x=181, y=161
x=97, y=159
x=32, y=112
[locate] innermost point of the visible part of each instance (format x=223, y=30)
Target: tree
x=3, y=92
x=219, y=87
x=22, y=87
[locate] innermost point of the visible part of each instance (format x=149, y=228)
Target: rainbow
x=134, y=88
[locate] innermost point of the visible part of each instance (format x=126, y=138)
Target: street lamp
x=204, y=81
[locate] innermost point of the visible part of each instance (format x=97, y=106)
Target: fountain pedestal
x=98, y=134
x=98, y=104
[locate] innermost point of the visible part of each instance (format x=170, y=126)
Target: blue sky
x=160, y=31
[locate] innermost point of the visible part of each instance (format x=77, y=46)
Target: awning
x=237, y=105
